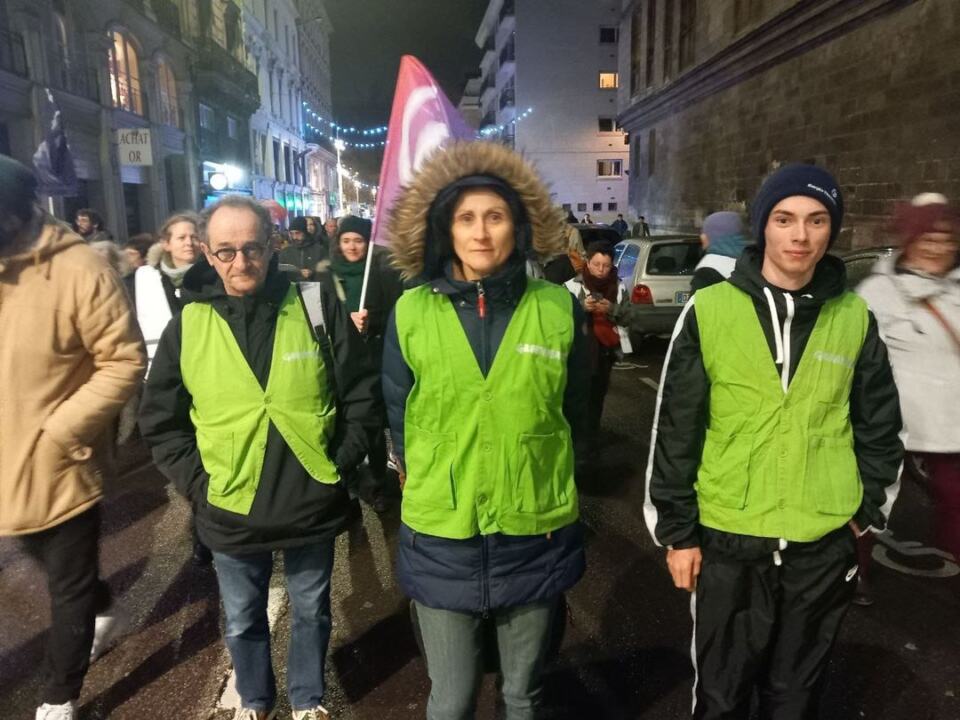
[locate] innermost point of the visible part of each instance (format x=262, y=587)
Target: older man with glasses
x=256, y=409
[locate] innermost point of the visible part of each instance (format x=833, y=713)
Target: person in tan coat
x=70, y=357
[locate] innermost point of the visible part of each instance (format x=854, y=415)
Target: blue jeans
x=453, y=642
x=244, y=582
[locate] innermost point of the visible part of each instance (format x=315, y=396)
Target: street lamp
x=340, y=146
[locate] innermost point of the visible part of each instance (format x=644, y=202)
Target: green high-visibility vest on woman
x=232, y=412
x=487, y=454
x=778, y=463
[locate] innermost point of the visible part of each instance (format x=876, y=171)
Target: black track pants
x=769, y=626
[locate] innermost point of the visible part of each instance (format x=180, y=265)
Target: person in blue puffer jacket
x=485, y=379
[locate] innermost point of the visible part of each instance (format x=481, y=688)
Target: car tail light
x=641, y=295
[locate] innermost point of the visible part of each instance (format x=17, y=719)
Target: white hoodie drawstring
x=777, y=337
x=785, y=371
x=781, y=338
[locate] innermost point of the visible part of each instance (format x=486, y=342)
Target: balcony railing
x=507, y=9
x=13, y=57
x=509, y=53
x=507, y=97
x=76, y=79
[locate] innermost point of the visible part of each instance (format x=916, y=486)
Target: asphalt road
x=626, y=650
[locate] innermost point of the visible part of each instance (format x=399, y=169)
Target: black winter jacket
x=490, y=571
x=290, y=507
x=307, y=255
x=683, y=409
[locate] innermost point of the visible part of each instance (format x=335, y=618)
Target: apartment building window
x=636, y=41
x=277, y=165
x=688, y=21
x=232, y=127
x=208, y=118
x=598, y=207
x=668, y=16
x=609, y=81
x=611, y=207
x=62, y=48
x=609, y=35
x=651, y=41
x=169, y=104
x=567, y=207
x=610, y=168
x=651, y=153
x=581, y=207
x=124, y=68
x=606, y=125
x=231, y=21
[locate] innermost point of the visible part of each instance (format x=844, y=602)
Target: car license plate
x=681, y=297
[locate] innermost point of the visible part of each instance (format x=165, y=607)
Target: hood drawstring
x=781, y=338
x=777, y=336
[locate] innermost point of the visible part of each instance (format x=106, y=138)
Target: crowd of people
x=278, y=376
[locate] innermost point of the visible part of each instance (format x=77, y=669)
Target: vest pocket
x=832, y=478
x=724, y=474
x=430, y=457
x=540, y=461
x=216, y=453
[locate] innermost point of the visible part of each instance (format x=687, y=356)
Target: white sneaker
x=109, y=628
x=251, y=714
x=67, y=711
x=317, y=713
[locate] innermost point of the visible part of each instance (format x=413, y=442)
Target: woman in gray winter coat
x=915, y=296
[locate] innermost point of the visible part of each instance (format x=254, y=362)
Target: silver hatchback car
x=656, y=272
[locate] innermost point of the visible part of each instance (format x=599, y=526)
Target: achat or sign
x=134, y=147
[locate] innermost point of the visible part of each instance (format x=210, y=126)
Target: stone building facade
x=715, y=95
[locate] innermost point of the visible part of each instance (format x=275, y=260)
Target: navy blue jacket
x=490, y=571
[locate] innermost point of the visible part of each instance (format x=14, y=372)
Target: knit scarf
x=173, y=273
x=604, y=330
x=350, y=275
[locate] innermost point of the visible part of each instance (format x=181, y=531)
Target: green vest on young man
x=487, y=455
x=232, y=412
x=778, y=464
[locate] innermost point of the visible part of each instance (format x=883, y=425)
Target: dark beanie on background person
x=797, y=179
x=299, y=223
x=354, y=224
x=18, y=188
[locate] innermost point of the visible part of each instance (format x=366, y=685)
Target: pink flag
x=421, y=120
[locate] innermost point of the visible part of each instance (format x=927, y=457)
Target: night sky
x=369, y=36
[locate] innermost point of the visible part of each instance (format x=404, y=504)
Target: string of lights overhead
x=496, y=129
x=342, y=129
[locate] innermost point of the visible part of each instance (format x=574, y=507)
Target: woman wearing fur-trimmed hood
x=483, y=377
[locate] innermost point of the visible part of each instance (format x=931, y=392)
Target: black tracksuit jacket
x=683, y=410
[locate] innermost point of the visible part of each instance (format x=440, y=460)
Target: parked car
x=656, y=272
x=860, y=263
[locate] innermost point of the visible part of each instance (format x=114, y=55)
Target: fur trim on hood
x=155, y=255
x=409, y=219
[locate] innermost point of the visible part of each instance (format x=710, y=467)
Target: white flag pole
x=366, y=273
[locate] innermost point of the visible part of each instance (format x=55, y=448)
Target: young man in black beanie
x=70, y=358
x=305, y=251
x=775, y=445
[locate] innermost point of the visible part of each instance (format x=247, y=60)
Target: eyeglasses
x=253, y=251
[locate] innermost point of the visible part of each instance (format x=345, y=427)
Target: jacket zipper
x=481, y=301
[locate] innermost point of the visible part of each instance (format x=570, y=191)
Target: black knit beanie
x=18, y=188
x=354, y=224
x=299, y=223
x=797, y=179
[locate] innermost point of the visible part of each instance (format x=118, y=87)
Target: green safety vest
x=232, y=412
x=778, y=464
x=487, y=455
